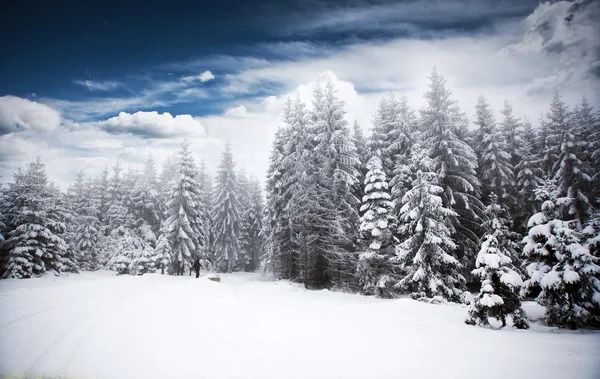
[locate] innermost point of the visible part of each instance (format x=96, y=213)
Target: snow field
x=98, y=325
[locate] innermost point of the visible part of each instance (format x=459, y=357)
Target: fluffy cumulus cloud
x=18, y=114
x=206, y=76
x=153, y=125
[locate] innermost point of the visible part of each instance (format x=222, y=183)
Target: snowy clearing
x=100, y=325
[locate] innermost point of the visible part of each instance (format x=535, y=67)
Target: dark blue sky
x=47, y=45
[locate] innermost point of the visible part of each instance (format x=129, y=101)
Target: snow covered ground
x=153, y=326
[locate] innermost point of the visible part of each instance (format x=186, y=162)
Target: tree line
x=133, y=222
x=424, y=206
x=427, y=206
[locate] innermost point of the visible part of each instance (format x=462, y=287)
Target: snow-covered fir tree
x=86, y=224
x=35, y=225
x=226, y=213
x=529, y=176
x=426, y=249
x=393, y=124
x=162, y=252
x=295, y=160
x=495, y=168
x=454, y=162
x=206, y=191
x=100, y=194
x=337, y=164
x=500, y=281
x=116, y=213
x=184, y=214
x=375, y=271
x=557, y=122
x=512, y=133
x=559, y=266
x=362, y=153
x=571, y=180
x=145, y=196
x=274, y=214
x=251, y=226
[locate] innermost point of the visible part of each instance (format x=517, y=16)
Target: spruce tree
x=500, y=281
x=226, y=213
x=454, y=162
x=554, y=128
x=362, y=153
x=559, y=266
x=145, y=196
x=35, y=225
x=184, y=221
x=374, y=267
x=529, y=176
x=337, y=164
x=495, y=167
x=274, y=217
x=251, y=226
x=87, y=224
x=512, y=133
x=297, y=161
x=426, y=251
x=572, y=181
x=206, y=191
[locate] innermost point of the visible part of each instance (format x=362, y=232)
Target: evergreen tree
x=564, y=271
x=226, y=213
x=500, y=281
x=362, y=153
x=274, y=223
x=162, y=253
x=206, y=190
x=374, y=267
x=393, y=126
x=143, y=260
x=337, y=164
x=426, y=251
x=454, y=162
x=512, y=133
x=529, y=176
x=145, y=196
x=116, y=213
x=87, y=225
x=100, y=194
x=251, y=225
x=495, y=168
x=35, y=241
x=572, y=181
x=553, y=131
x=184, y=220
x=124, y=246
x=296, y=159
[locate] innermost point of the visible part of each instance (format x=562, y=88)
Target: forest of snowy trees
x=425, y=206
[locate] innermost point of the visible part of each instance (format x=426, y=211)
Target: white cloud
x=239, y=111
x=159, y=94
x=206, y=76
x=153, y=125
x=93, y=85
x=565, y=33
x=17, y=114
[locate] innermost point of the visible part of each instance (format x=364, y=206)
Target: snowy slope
x=153, y=326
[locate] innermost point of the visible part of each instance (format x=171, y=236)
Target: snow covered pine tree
x=564, y=271
x=500, y=282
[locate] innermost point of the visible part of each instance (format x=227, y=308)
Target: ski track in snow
x=97, y=325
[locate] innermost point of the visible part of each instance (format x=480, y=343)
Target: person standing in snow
x=197, y=267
